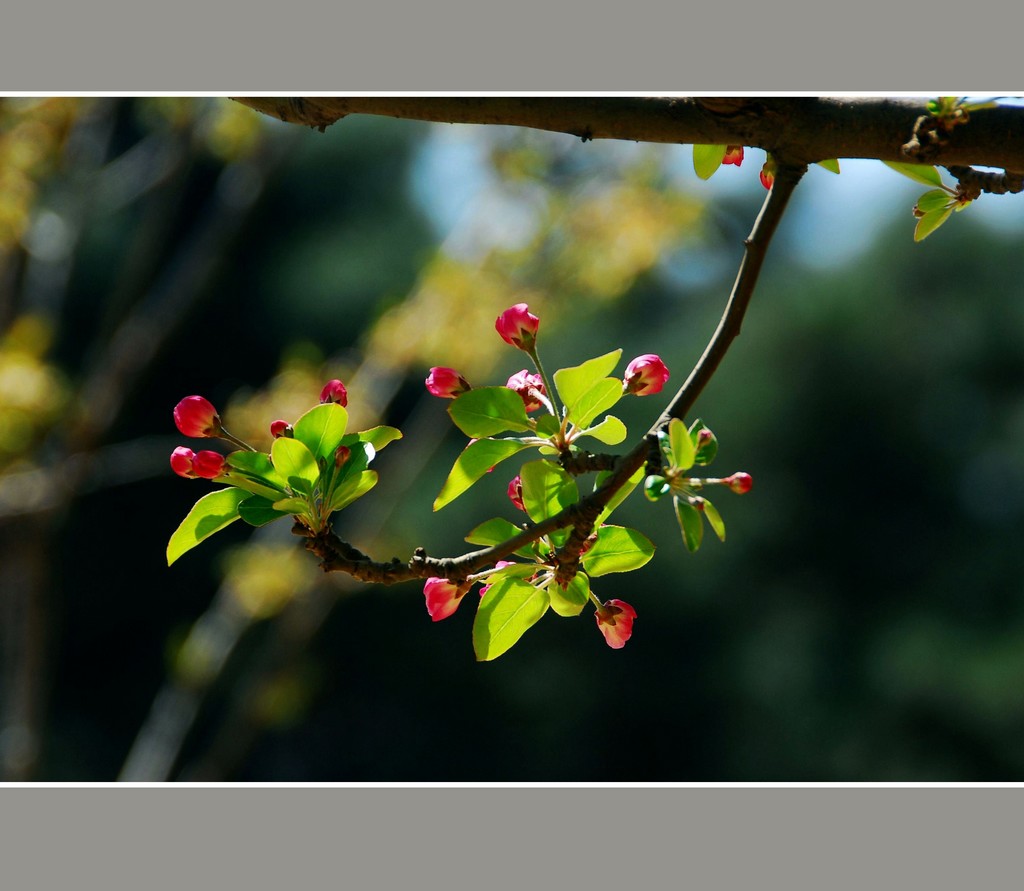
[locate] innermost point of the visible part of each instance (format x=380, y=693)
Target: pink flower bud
x=208, y=465
x=195, y=416
x=645, y=375
x=181, y=462
x=341, y=455
x=281, y=428
x=733, y=155
x=518, y=327
x=704, y=436
x=530, y=387
x=615, y=622
x=740, y=483
x=334, y=391
x=768, y=173
x=446, y=383
x=443, y=597
x=515, y=492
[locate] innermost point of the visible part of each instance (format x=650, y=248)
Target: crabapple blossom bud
x=704, y=436
x=515, y=492
x=281, y=428
x=208, y=465
x=195, y=416
x=733, y=155
x=740, y=483
x=518, y=327
x=768, y=173
x=181, y=462
x=334, y=391
x=645, y=375
x=341, y=455
x=443, y=597
x=446, y=383
x=615, y=622
x=530, y=387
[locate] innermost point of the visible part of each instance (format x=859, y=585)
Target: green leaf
x=611, y=431
x=321, y=429
x=575, y=382
x=571, y=601
x=257, y=465
x=691, y=524
x=508, y=609
x=715, y=519
x=351, y=489
x=488, y=410
x=547, y=489
x=295, y=463
x=495, y=531
x=257, y=511
x=683, y=454
x=919, y=173
x=599, y=398
x=707, y=159
x=548, y=425
x=209, y=514
x=706, y=454
x=291, y=506
x=936, y=199
x=619, y=496
x=617, y=549
x=243, y=482
x=476, y=459
x=379, y=437
x=930, y=222
x=832, y=166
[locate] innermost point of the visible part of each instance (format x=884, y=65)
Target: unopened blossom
x=280, y=428
x=740, y=483
x=733, y=155
x=446, y=383
x=443, y=597
x=341, y=454
x=518, y=327
x=181, y=462
x=195, y=416
x=768, y=173
x=530, y=387
x=515, y=492
x=208, y=465
x=334, y=391
x=645, y=375
x=615, y=622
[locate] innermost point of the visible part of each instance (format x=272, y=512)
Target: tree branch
x=797, y=130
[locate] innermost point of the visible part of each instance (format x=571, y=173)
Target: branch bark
x=794, y=130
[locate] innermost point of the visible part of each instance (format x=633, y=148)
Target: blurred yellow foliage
x=263, y=578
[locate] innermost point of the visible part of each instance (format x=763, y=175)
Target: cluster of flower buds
x=205, y=465
x=195, y=416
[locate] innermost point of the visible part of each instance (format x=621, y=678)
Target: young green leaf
x=352, y=488
x=476, y=459
x=495, y=531
x=935, y=199
x=508, y=609
x=574, y=383
x=919, y=173
x=257, y=511
x=209, y=514
x=707, y=452
x=599, y=398
x=707, y=159
x=547, y=425
x=378, y=437
x=243, y=482
x=715, y=519
x=691, y=524
x=832, y=165
x=683, y=454
x=547, y=489
x=617, y=549
x=291, y=505
x=570, y=602
x=930, y=222
x=258, y=467
x=295, y=463
x=321, y=429
x=486, y=411
x=611, y=431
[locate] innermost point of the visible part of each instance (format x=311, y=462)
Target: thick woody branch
x=339, y=556
x=974, y=182
x=798, y=130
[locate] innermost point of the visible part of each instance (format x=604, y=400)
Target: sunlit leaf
x=933, y=200
x=832, y=165
x=209, y=515
x=573, y=383
x=930, y=222
x=707, y=159
x=295, y=463
x=351, y=489
x=683, y=453
x=321, y=429
x=691, y=524
x=257, y=511
x=714, y=519
x=617, y=549
x=611, y=431
x=570, y=601
x=496, y=531
x=919, y=173
x=508, y=609
x=486, y=411
x=476, y=459
x=547, y=489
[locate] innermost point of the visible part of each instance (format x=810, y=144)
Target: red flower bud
x=740, y=483
x=195, y=416
x=446, y=383
x=334, y=391
x=704, y=436
x=181, y=462
x=515, y=492
x=281, y=428
x=615, y=622
x=518, y=327
x=208, y=465
x=645, y=375
x=733, y=155
x=530, y=387
x=768, y=173
x=443, y=597
x=341, y=455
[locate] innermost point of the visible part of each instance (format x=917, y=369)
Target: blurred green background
x=863, y=622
